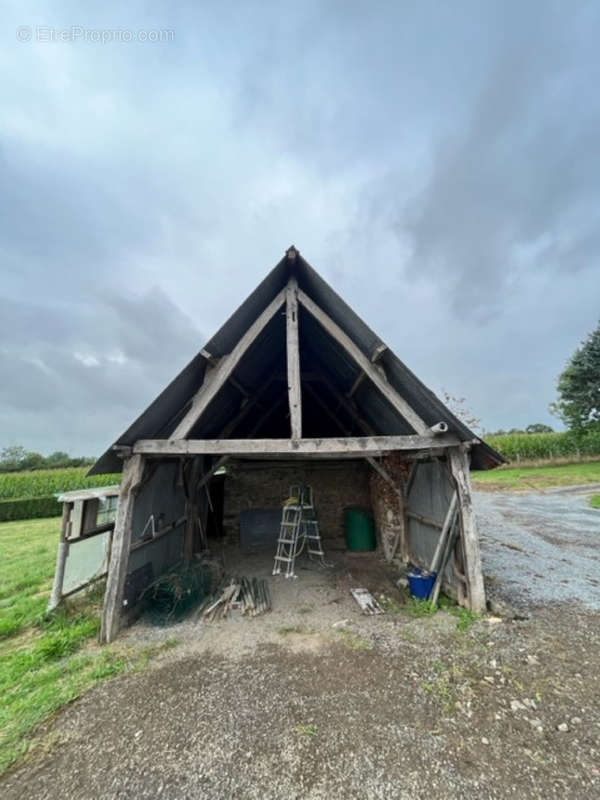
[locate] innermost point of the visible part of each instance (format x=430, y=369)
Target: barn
x=294, y=389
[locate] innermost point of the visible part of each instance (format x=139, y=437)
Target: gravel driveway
x=540, y=547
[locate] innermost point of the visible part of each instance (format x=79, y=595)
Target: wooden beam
x=459, y=464
x=223, y=459
x=61, y=557
x=133, y=470
x=375, y=356
x=293, y=359
x=370, y=370
x=213, y=362
x=349, y=404
x=424, y=520
x=191, y=508
x=446, y=528
x=358, y=446
x=225, y=368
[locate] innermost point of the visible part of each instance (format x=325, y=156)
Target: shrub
x=29, y=508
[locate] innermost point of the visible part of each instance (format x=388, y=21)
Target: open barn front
x=293, y=391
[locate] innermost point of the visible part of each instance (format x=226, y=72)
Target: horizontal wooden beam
x=348, y=446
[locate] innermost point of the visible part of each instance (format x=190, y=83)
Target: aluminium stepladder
x=299, y=528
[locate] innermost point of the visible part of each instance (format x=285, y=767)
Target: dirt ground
x=316, y=701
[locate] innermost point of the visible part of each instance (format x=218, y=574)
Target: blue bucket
x=421, y=582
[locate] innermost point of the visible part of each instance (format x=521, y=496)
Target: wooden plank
x=459, y=464
x=133, y=469
x=61, y=558
x=370, y=370
x=424, y=520
x=448, y=522
x=293, y=359
x=225, y=368
x=358, y=446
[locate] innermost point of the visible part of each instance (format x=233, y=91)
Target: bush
x=29, y=508
x=546, y=446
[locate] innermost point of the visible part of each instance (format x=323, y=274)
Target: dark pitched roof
x=159, y=419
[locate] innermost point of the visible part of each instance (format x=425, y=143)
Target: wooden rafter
x=375, y=356
x=370, y=370
x=222, y=372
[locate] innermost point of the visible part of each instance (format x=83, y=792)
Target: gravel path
x=540, y=548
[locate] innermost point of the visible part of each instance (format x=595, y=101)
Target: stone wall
x=388, y=509
x=262, y=485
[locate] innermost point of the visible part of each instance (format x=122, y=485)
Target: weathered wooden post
x=459, y=464
x=61, y=557
x=191, y=509
x=133, y=469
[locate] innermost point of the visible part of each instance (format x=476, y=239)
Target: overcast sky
x=437, y=162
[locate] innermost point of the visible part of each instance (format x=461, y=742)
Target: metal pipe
x=438, y=428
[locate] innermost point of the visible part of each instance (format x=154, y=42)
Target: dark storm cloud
x=437, y=162
x=516, y=187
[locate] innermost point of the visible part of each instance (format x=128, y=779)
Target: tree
x=58, y=459
x=539, y=427
x=578, y=403
x=457, y=406
x=12, y=457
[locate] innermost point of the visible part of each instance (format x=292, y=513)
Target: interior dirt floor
x=314, y=700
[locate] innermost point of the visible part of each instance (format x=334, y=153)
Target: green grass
x=45, y=661
x=306, y=730
x=595, y=501
x=26, y=571
x=545, y=477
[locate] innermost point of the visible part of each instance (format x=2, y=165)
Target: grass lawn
x=45, y=662
x=595, y=501
x=544, y=477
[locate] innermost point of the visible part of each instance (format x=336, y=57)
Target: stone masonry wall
x=336, y=484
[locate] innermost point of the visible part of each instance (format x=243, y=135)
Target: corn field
x=518, y=447
x=46, y=482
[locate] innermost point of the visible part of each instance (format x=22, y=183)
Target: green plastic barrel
x=359, y=529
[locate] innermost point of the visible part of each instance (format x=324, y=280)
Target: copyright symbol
x=23, y=33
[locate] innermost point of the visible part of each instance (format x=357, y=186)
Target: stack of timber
x=251, y=596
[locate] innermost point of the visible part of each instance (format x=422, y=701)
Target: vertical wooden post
x=191, y=510
x=293, y=358
x=111, y=617
x=403, y=503
x=61, y=557
x=459, y=464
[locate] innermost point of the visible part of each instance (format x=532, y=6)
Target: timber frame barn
x=293, y=388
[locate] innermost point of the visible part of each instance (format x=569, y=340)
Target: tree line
x=16, y=458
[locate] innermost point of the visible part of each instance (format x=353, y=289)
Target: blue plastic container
x=420, y=582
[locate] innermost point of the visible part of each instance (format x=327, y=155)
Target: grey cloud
x=436, y=162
